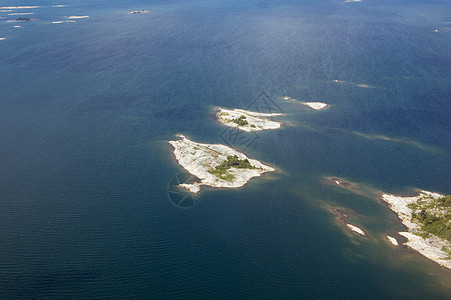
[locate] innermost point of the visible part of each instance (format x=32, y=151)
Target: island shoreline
x=203, y=160
x=429, y=247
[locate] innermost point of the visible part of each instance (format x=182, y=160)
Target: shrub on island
x=232, y=161
x=241, y=121
x=433, y=215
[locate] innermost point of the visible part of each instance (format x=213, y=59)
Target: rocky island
x=23, y=20
x=392, y=240
x=247, y=120
x=427, y=217
x=65, y=21
x=78, y=17
x=356, y=229
x=361, y=85
x=215, y=165
x=142, y=11
x=18, y=7
x=313, y=105
x=342, y=217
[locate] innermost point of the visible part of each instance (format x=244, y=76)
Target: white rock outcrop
x=198, y=159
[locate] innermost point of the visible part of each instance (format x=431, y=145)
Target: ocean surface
x=87, y=108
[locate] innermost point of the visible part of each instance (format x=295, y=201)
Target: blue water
x=87, y=108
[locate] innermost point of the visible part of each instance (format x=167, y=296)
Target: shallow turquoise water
x=86, y=110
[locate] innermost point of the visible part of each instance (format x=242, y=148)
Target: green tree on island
x=433, y=215
x=232, y=161
x=241, y=121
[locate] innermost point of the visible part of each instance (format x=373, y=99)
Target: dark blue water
x=87, y=108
